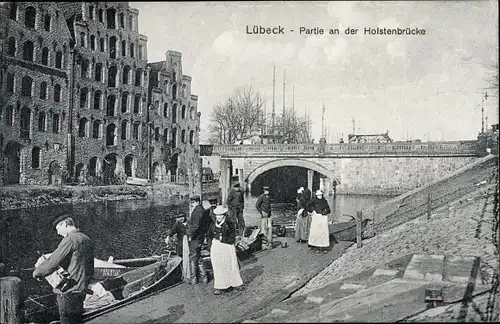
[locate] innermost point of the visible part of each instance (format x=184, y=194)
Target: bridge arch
x=291, y=162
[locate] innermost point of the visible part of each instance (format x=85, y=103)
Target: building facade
x=174, y=120
x=35, y=70
x=75, y=100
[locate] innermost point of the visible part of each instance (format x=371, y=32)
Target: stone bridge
x=349, y=168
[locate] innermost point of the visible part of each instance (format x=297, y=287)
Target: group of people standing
x=312, y=220
x=220, y=231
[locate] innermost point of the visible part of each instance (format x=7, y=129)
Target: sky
x=427, y=87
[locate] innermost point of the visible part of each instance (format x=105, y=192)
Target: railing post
x=11, y=291
x=359, y=230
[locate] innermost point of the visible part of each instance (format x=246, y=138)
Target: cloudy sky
x=427, y=86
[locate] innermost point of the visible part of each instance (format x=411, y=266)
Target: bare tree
x=238, y=117
x=292, y=128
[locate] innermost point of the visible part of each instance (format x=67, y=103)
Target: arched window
x=98, y=72
x=92, y=42
x=55, y=123
x=112, y=71
x=83, y=127
x=84, y=92
x=57, y=93
x=137, y=130
x=46, y=22
x=45, y=56
x=35, y=158
x=25, y=120
x=102, y=45
x=126, y=73
x=30, y=17
x=137, y=104
x=85, y=69
x=174, y=113
x=130, y=23
x=183, y=112
x=110, y=108
x=138, y=78
x=110, y=18
x=43, y=90
x=124, y=48
x=10, y=82
x=11, y=50
x=124, y=130
x=183, y=136
x=42, y=121
x=58, y=60
x=9, y=115
x=122, y=20
x=28, y=51
x=97, y=100
x=111, y=134
x=191, y=113
x=140, y=52
x=13, y=11
x=91, y=12
x=125, y=108
x=132, y=50
x=26, y=86
x=191, y=137
x=112, y=47
x=97, y=129
x=165, y=109
x=101, y=15
x=157, y=134
x=174, y=91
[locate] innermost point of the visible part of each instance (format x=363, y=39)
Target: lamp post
x=148, y=127
x=482, y=110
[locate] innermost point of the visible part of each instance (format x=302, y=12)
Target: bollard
x=359, y=230
x=429, y=205
x=11, y=292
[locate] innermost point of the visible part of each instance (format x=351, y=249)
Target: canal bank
x=31, y=196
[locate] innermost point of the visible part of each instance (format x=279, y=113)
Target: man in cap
x=263, y=205
x=182, y=247
x=196, y=235
x=209, y=218
x=235, y=203
x=75, y=254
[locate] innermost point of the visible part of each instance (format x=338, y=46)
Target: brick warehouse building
x=103, y=135
x=174, y=118
x=34, y=93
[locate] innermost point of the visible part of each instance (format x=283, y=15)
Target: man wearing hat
x=196, y=235
x=75, y=254
x=209, y=218
x=263, y=205
x=236, y=202
x=182, y=247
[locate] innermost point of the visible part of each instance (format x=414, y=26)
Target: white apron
x=225, y=265
x=319, y=235
x=186, y=270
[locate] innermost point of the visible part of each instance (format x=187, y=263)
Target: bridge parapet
x=450, y=148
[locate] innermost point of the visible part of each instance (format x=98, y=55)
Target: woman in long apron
x=303, y=219
x=223, y=253
x=182, y=247
x=319, y=234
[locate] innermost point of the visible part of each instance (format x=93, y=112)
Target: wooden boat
x=116, y=292
x=143, y=276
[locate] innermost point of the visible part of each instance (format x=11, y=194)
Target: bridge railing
x=454, y=147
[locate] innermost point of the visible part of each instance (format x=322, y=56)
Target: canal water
x=122, y=229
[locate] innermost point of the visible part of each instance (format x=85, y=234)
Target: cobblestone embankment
x=464, y=226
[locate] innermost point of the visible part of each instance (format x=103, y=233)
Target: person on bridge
x=303, y=221
x=223, y=252
x=236, y=202
x=263, y=205
x=319, y=233
x=182, y=246
x=196, y=235
x=74, y=254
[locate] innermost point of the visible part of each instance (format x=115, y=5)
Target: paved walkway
x=269, y=277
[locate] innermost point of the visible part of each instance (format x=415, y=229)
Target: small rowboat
x=141, y=277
